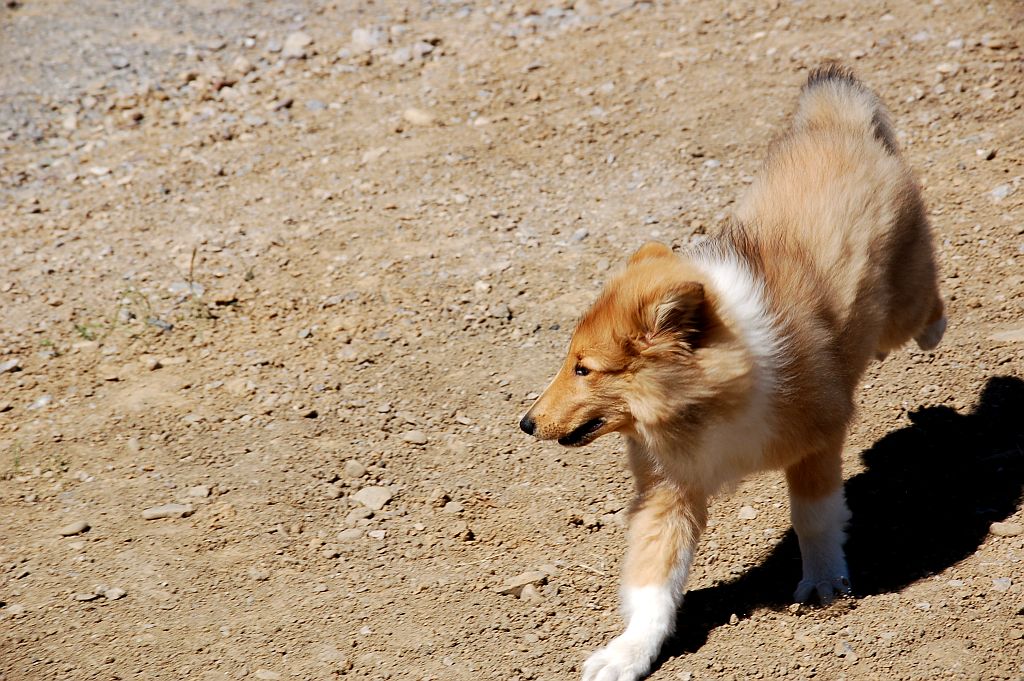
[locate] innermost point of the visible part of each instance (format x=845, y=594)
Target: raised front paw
x=823, y=590
x=620, y=660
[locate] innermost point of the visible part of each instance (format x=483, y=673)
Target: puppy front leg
x=663, y=533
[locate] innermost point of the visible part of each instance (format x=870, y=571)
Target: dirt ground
x=299, y=268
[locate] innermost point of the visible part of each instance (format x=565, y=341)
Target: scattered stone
x=418, y=117
x=201, y=491
x=579, y=235
x=845, y=650
x=266, y=675
x=319, y=588
x=242, y=66
x=515, y=585
x=258, y=574
x=331, y=492
x=351, y=534
x=86, y=597
x=330, y=552
x=531, y=594
x=354, y=469
x=71, y=529
x=168, y=511
x=114, y=593
x=374, y=498
x=371, y=155
x=1002, y=584
x=415, y=437
x=376, y=534
x=1012, y=335
x=15, y=609
x=454, y=507
x=366, y=39
x=296, y=45
x=11, y=365
x=41, y=402
x=1006, y=529
x=1001, y=192
x=747, y=513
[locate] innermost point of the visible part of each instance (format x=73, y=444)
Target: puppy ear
x=651, y=249
x=680, y=314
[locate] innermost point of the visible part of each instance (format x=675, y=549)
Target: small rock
x=418, y=117
x=415, y=437
x=168, y=511
x=844, y=649
x=747, y=513
x=374, y=497
x=354, y=469
x=1012, y=335
x=454, y=507
x=579, y=235
x=516, y=584
x=1006, y=529
x=41, y=402
x=242, y=66
x=376, y=534
x=331, y=492
x=319, y=588
x=114, y=593
x=258, y=574
x=71, y=529
x=371, y=155
x=329, y=552
x=1001, y=192
x=366, y=39
x=734, y=619
x=295, y=45
x=201, y=491
x=15, y=609
x=84, y=597
x=351, y=534
x=13, y=364
x=266, y=675
x=1002, y=584
x=531, y=594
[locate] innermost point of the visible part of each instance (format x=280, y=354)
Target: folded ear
x=680, y=314
x=651, y=249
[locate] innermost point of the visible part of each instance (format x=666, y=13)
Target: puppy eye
x=581, y=370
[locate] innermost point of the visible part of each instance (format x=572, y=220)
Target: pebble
x=114, y=593
x=515, y=585
x=266, y=675
x=168, y=511
x=13, y=364
x=366, y=39
x=295, y=45
x=1006, y=529
x=201, y=491
x=415, y=437
x=351, y=534
x=41, y=402
x=1001, y=192
x=844, y=649
x=86, y=597
x=1002, y=584
x=418, y=117
x=376, y=534
x=71, y=529
x=579, y=235
x=747, y=513
x=354, y=469
x=373, y=497
x=1010, y=335
x=242, y=66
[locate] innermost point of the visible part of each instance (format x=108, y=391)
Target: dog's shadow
x=925, y=502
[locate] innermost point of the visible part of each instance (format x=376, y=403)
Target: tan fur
x=835, y=236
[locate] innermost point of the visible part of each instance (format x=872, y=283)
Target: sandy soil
x=299, y=268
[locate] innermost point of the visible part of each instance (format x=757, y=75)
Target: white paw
x=932, y=334
x=621, y=660
x=824, y=590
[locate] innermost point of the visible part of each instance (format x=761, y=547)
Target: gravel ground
x=278, y=281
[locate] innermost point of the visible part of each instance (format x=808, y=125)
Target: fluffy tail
x=834, y=98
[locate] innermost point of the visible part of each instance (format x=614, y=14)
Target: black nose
x=527, y=424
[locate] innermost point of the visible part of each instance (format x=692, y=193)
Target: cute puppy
x=743, y=353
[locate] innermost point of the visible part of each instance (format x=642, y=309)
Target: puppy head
x=633, y=357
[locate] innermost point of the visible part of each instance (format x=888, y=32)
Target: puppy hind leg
x=819, y=514
x=664, y=529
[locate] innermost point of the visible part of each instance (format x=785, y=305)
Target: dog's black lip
x=580, y=436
